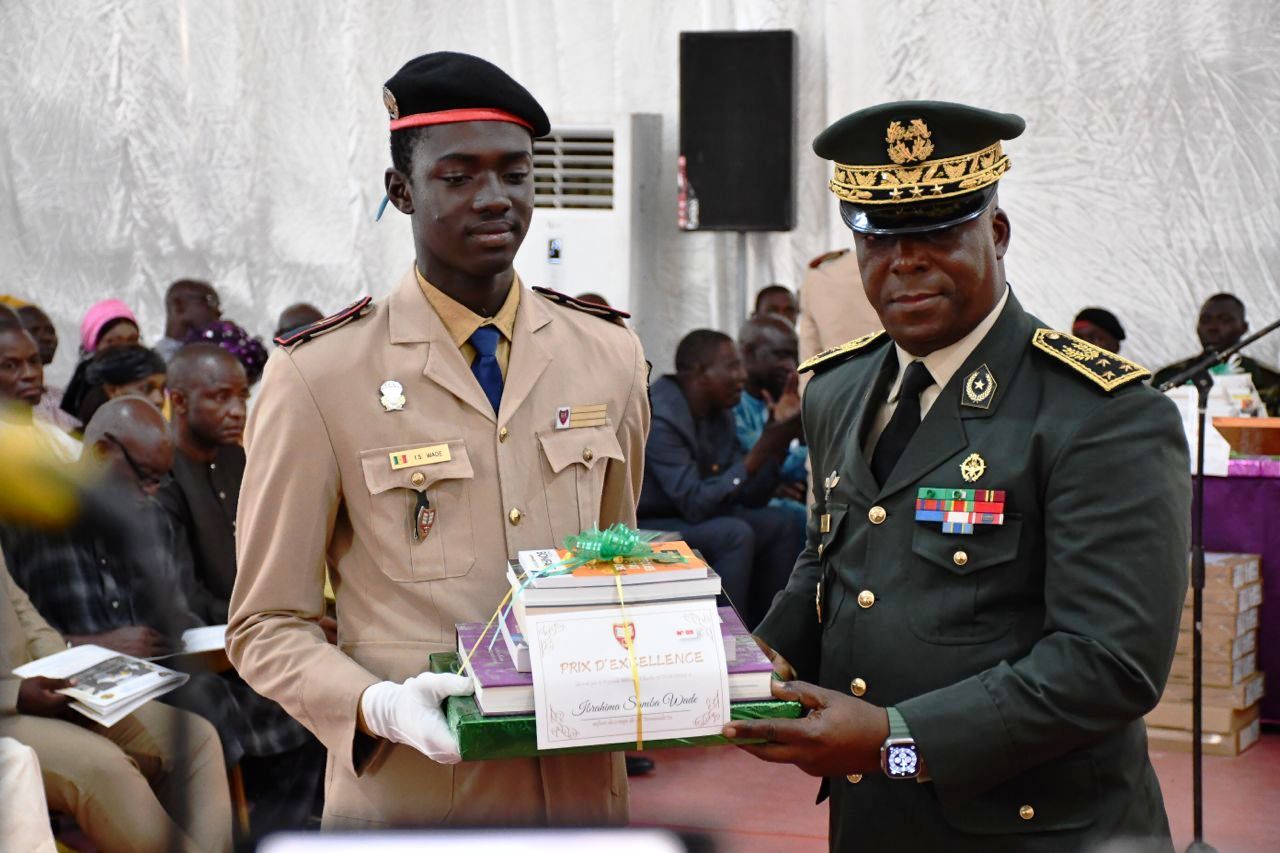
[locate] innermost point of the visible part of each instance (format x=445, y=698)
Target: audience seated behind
x=1099, y=327
x=247, y=348
x=188, y=304
x=209, y=390
x=295, y=317
x=769, y=345
x=41, y=328
x=124, y=786
x=1221, y=324
x=699, y=482
x=113, y=582
x=777, y=300
x=116, y=372
x=22, y=388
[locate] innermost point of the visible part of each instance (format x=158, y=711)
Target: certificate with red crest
x=625, y=675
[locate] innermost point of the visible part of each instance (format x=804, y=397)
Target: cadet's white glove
x=410, y=713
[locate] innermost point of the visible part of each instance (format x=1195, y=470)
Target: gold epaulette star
x=1103, y=367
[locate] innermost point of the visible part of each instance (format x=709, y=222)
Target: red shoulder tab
x=305, y=333
x=827, y=256
x=604, y=312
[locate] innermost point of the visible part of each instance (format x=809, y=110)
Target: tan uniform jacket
x=319, y=489
x=24, y=637
x=833, y=306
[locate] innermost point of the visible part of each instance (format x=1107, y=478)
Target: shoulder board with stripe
x=827, y=256
x=836, y=355
x=604, y=312
x=305, y=333
x=1101, y=367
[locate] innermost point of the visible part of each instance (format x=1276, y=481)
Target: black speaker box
x=737, y=123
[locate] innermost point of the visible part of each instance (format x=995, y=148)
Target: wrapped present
x=482, y=738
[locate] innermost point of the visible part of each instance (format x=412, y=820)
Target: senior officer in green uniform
x=997, y=556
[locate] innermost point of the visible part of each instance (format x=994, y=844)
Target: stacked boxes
x=1233, y=686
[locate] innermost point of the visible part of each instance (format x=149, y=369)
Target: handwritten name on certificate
x=583, y=689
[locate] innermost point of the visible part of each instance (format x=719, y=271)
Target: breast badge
x=392, y=396
x=973, y=467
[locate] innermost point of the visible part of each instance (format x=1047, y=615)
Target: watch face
x=901, y=761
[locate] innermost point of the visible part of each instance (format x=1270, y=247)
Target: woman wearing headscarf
x=245, y=347
x=117, y=372
x=108, y=324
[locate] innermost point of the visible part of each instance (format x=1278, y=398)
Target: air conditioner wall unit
x=595, y=198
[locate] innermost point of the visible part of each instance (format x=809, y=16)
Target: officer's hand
x=840, y=735
x=330, y=627
x=781, y=665
x=409, y=713
x=38, y=696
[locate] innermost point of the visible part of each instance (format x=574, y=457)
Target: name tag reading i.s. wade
x=429, y=455
x=583, y=688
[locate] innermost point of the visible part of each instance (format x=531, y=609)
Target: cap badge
x=389, y=101
x=391, y=395
x=979, y=386
x=916, y=135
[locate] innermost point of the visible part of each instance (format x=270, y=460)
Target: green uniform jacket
x=1022, y=668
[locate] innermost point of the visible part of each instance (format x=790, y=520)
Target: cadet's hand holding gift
x=410, y=713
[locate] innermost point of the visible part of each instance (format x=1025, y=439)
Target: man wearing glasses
x=110, y=579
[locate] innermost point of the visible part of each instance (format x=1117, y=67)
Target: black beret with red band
x=446, y=87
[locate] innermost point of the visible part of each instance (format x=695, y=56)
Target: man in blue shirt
x=700, y=482
x=770, y=350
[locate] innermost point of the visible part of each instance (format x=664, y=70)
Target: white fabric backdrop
x=244, y=142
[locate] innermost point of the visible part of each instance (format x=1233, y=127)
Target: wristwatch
x=898, y=756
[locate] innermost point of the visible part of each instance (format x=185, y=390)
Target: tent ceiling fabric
x=244, y=142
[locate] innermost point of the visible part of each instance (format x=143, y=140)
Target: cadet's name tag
x=429, y=455
x=573, y=417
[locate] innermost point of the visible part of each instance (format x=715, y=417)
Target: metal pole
x=1203, y=382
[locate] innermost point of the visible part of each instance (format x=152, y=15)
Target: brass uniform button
x=587, y=455
x=418, y=478
x=866, y=598
x=854, y=778
x=515, y=515
x=1026, y=813
x=502, y=434
x=877, y=515
x=959, y=558
x=857, y=687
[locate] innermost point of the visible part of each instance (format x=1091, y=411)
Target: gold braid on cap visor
x=893, y=184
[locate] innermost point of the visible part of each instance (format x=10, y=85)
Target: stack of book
x=1233, y=687
x=594, y=585
x=504, y=683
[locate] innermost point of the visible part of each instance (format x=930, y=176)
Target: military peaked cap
x=913, y=166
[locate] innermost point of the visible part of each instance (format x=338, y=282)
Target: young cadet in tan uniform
x=413, y=445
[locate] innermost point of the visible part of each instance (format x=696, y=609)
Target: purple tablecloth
x=1242, y=515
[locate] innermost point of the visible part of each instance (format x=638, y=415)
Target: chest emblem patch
x=979, y=388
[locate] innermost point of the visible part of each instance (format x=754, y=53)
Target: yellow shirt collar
x=461, y=322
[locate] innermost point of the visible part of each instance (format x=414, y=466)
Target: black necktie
x=906, y=419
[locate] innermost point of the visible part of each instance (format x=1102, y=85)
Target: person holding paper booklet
x=989, y=600
x=413, y=445
x=122, y=785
